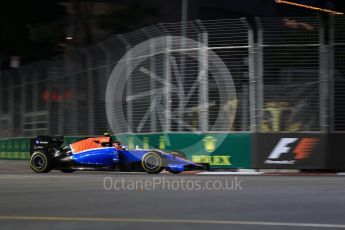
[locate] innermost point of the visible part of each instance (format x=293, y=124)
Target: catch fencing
x=228, y=76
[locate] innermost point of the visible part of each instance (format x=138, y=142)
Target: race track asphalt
x=113, y=200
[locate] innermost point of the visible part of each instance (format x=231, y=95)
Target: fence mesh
x=338, y=74
x=231, y=75
x=290, y=53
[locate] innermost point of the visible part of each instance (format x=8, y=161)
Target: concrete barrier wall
x=16, y=148
x=223, y=150
x=289, y=150
x=299, y=151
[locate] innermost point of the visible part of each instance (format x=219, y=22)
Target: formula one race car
x=101, y=153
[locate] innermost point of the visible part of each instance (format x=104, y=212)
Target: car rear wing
x=45, y=143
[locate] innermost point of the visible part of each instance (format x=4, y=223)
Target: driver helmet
x=117, y=145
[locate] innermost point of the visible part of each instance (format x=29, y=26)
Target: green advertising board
x=220, y=150
x=16, y=149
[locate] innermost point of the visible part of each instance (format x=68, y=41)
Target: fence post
x=22, y=107
x=2, y=127
x=324, y=76
x=90, y=92
x=1, y=101
x=153, y=85
x=107, y=55
x=35, y=96
x=67, y=67
x=254, y=77
x=167, y=73
x=181, y=102
x=75, y=129
x=107, y=69
x=331, y=68
x=203, y=78
x=52, y=69
x=203, y=83
x=260, y=77
x=153, y=125
x=10, y=105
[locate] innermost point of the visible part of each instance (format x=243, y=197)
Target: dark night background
x=39, y=29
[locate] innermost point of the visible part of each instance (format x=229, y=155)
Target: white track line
x=341, y=174
x=169, y=221
x=230, y=173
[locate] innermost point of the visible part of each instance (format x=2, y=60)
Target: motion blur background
x=287, y=64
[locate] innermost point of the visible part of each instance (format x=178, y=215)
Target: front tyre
x=40, y=162
x=152, y=163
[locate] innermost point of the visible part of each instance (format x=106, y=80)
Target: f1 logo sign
x=302, y=150
x=281, y=147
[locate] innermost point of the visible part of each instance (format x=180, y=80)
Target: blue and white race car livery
x=101, y=153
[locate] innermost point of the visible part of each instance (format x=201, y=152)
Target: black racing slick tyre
x=152, y=163
x=40, y=162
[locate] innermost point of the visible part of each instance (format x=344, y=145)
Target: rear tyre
x=152, y=163
x=67, y=170
x=41, y=162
